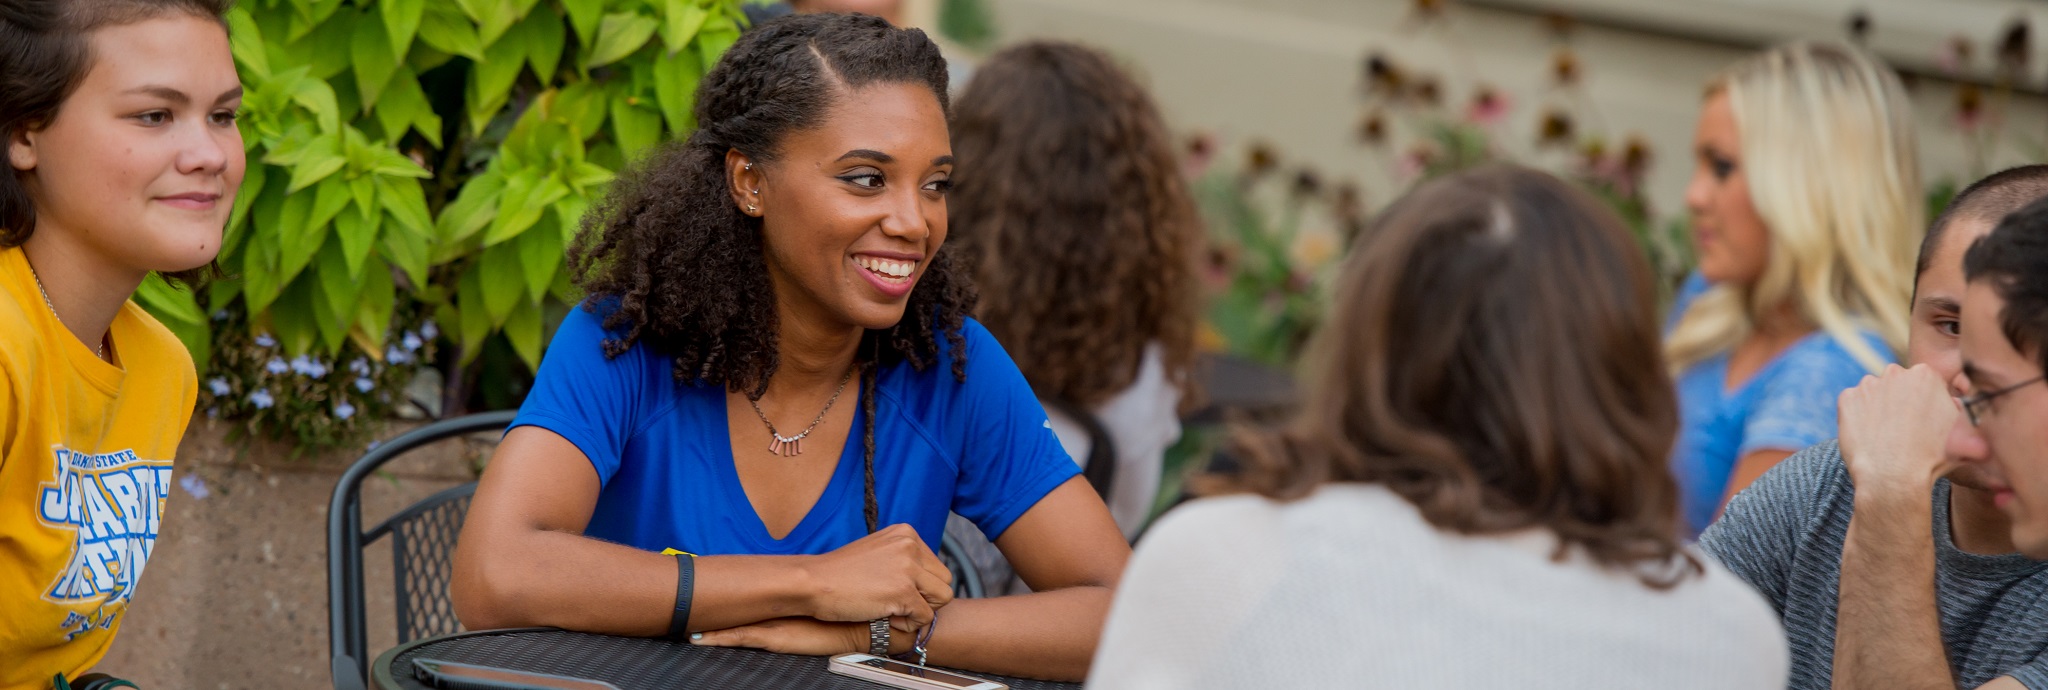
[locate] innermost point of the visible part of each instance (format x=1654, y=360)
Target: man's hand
x=1893, y=427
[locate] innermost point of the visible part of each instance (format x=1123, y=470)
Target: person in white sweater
x=1474, y=493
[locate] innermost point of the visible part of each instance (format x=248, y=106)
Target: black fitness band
x=686, y=576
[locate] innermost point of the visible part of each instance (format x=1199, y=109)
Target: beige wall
x=1287, y=71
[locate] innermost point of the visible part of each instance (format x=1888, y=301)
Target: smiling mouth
x=891, y=270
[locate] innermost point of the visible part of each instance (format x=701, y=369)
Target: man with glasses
x=1886, y=555
x=2005, y=351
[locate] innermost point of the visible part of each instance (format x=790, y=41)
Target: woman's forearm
x=569, y=581
x=1049, y=635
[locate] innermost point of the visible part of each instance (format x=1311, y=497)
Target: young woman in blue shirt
x=774, y=373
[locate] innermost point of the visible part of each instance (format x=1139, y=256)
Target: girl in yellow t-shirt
x=123, y=159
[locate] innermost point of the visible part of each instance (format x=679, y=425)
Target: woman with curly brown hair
x=1072, y=210
x=774, y=379
x=1474, y=495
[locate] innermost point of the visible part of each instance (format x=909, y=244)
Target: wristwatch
x=878, y=637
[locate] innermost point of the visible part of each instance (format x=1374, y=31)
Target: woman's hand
x=805, y=636
x=890, y=573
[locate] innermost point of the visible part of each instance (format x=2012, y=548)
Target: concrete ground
x=235, y=595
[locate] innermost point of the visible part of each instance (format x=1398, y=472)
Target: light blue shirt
x=1787, y=405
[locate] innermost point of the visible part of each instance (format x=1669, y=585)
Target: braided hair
x=679, y=268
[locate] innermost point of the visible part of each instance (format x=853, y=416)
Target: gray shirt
x=1784, y=535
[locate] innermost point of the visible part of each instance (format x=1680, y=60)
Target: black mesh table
x=632, y=663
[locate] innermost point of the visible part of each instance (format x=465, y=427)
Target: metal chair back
x=423, y=550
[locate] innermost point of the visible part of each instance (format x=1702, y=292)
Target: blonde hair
x=1829, y=155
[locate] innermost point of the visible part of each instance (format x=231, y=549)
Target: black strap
x=1100, y=471
x=686, y=585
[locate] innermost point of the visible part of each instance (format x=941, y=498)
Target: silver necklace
x=792, y=446
x=101, y=350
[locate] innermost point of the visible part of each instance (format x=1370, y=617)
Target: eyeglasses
x=1973, y=403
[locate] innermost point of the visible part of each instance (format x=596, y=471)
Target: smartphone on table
x=457, y=676
x=903, y=675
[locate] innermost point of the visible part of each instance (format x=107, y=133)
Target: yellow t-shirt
x=85, y=467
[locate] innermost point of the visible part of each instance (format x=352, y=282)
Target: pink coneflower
x=1488, y=107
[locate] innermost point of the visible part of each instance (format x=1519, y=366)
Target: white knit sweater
x=1351, y=588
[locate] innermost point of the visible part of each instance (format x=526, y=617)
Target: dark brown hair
x=1493, y=358
x=2014, y=257
x=44, y=55
x=670, y=261
x=1988, y=199
x=1071, y=205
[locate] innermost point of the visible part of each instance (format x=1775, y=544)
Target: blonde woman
x=1805, y=205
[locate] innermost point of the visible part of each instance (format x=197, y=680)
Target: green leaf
x=374, y=305
x=409, y=252
x=581, y=106
x=523, y=211
x=297, y=239
x=178, y=311
x=357, y=237
x=407, y=204
x=401, y=22
x=523, y=329
x=371, y=58
x=587, y=175
x=337, y=285
x=540, y=254
x=490, y=83
x=475, y=323
x=238, y=219
x=316, y=166
x=497, y=17
x=637, y=129
x=328, y=201
x=404, y=104
x=503, y=285
x=675, y=84
x=245, y=42
x=584, y=16
x=293, y=320
x=332, y=327
x=681, y=21
x=363, y=191
x=317, y=96
x=618, y=36
x=447, y=30
x=386, y=162
x=717, y=35
x=545, y=40
x=326, y=49
x=569, y=215
x=473, y=209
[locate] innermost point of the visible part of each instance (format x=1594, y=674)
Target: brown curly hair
x=1069, y=201
x=1493, y=358
x=669, y=260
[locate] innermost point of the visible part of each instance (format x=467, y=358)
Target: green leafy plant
x=431, y=158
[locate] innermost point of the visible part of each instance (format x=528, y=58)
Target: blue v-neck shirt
x=662, y=451
x=1788, y=405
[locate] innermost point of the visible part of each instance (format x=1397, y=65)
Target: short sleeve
x=2034, y=675
x=1797, y=406
x=1758, y=536
x=589, y=399
x=1009, y=456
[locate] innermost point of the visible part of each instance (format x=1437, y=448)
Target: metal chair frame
x=346, y=540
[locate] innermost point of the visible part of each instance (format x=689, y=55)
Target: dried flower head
x=1556, y=130
x=1307, y=183
x=1427, y=92
x=1262, y=159
x=1382, y=76
x=1426, y=9
x=1564, y=68
x=1349, y=202
x=1635, y=156
x=1560, y=25
x=1956, y=55
x=2015, y=48
x=1859, y=26
x=1969, y=106
x=1372, y=129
